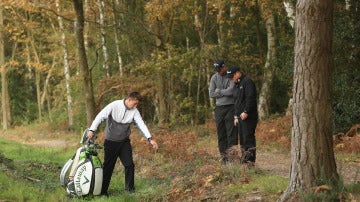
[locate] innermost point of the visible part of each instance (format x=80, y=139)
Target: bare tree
x=312, y=155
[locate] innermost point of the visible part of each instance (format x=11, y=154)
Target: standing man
x=246, y=115
x=119, y=115
x=221, y=88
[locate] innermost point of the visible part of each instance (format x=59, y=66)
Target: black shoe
x=251, y=164
x=104, y=193
x=130, y=190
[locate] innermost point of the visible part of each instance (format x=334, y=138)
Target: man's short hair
x=135, y=95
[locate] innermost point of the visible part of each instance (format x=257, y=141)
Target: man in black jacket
x=246, y=115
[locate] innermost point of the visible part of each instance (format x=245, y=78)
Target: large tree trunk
x=66, y=68
x=312, y=155
x=265, y=92
x=84, y=68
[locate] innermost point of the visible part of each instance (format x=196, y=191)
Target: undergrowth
x=187, y=167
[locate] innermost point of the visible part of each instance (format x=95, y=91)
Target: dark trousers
x=247, y=138
x=123, y=151
x=226, y=131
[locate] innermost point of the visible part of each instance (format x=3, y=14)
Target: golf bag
x=86, y=174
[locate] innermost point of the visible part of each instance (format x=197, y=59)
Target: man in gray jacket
x=119, y=115
x=221, y=89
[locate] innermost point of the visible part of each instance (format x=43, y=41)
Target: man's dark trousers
x=226, y=131
x=123, y=151
x=247, y=138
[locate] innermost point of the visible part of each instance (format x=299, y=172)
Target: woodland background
x=164, y=49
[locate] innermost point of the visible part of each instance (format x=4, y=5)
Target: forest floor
x=273, y=156
x=278, y=161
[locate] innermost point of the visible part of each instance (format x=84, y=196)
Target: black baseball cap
x=231, y=71
x=218, y=64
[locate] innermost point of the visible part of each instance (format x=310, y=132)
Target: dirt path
x=279, y=163
x=268, y=159
x=273, y=162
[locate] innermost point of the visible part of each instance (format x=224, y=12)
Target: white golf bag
x=86, y=174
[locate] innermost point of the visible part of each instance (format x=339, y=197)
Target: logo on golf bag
x=87, y=180
x=82, y=176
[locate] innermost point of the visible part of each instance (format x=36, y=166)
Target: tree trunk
x=66, y=68
x=45, y=94
x=258, y=31
x=101, y=5
x=199, y=27
x=290, y=11
x=265, y=92
x=86, y=27
x=38, y=93
x=5, y=101
x=161, y=96
x=37, y=74
x=84, y=68
x=220, y=23
x=312, y=155
x=117, y=23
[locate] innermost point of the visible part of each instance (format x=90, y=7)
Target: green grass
x=32, y=174
x=18, y=151
x=15, y=187
x=259, y=182
x=189, y=172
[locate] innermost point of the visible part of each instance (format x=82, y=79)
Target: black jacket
x=245, y=97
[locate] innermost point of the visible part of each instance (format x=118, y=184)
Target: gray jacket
x=119, y=118
x=221, y=88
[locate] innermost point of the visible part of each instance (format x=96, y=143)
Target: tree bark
x=66, y=68
x=265, y=92
x=312, y=155
x=5, y=101
x=220, y=22
x=161, y=96
x=117, y=22
x=84, y=68
x=37, y=74
x=101, y=5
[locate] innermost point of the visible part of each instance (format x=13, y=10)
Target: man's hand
x=90, y=135
x=243, y=116
x=236, y=121
x=154, y=144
